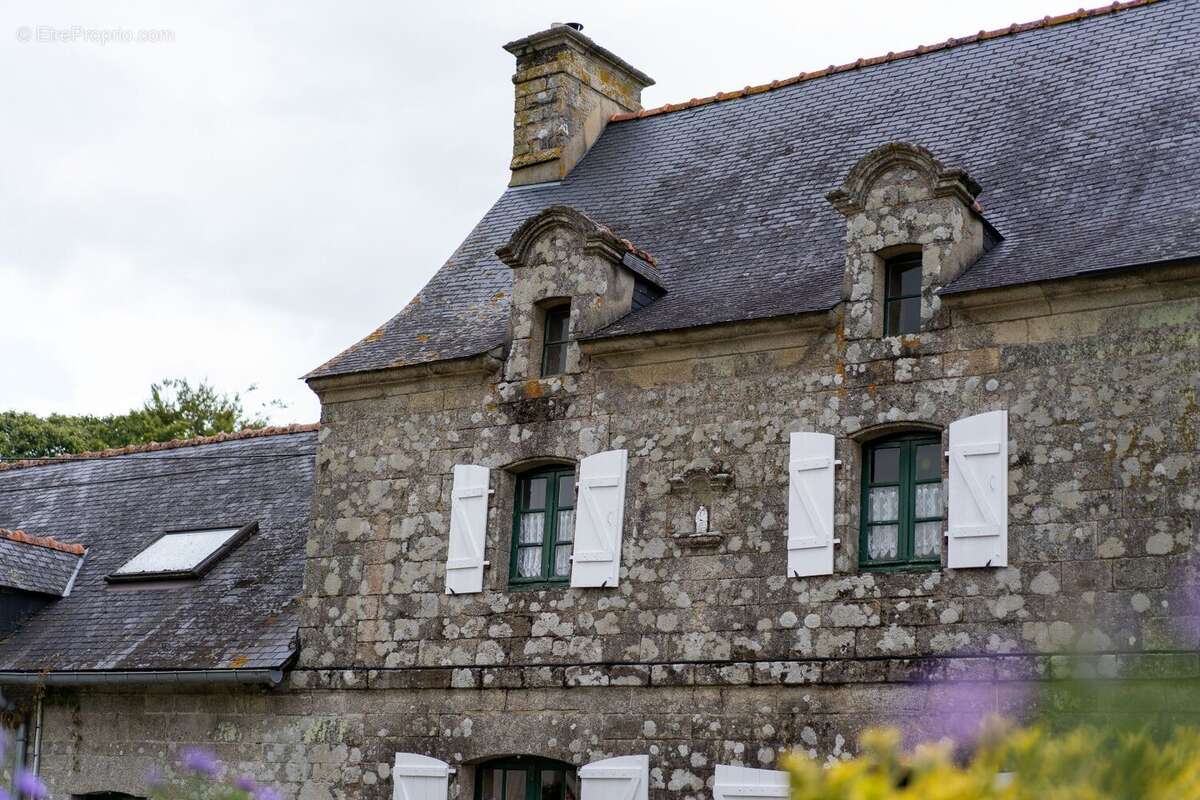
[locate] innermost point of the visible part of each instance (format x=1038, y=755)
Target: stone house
x=735, y=426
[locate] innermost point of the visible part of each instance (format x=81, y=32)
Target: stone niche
x=700, y=500
x=900, y=199
x=560, y=256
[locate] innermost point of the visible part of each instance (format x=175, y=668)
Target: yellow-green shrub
x=1083, y=764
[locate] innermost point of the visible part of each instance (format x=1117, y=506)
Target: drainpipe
x=36, y=765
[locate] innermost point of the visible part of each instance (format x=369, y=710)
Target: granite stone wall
x=707, y=652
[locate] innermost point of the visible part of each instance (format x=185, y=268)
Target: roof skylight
x=182, y=554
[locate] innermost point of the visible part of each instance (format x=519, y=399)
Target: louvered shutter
x=621, y=778
x=417, y=777
x=744, y=783
x=468, y=529
x=810, y=505
x=978, y=499
x=599, y=519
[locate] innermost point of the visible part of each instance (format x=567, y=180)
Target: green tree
x=175, y=410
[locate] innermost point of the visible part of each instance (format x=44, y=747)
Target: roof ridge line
x=832, y=69
x=174, y=444
x=50, y=543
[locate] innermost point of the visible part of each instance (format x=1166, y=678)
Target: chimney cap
x=570, y=32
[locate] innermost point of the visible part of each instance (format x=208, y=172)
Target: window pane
x=533, y=494
x=552, y=784
x=558, y=322
x=572, y=786
x=566, y=525
x=514, y=784
x=909, y=316
x=566, y=490
x=907, y=281
x=885, y=465
x=556, y=359
x=929, y=500
x=562, y=560
x=533, y=528
x=529, y=562
x=885, y=504
x=928, y=536
x=176, y=552
x=881, y=541
x=929, y=463
x=489, y=784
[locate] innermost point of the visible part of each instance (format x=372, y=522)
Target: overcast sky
x=245, y=198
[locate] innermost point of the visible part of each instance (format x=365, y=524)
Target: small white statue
x=702, y=520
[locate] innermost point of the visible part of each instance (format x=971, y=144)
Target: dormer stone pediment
x=561, y=257
x=899, y=199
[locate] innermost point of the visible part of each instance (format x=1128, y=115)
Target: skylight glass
x=181, y=553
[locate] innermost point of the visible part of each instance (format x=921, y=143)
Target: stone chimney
x=567, y=87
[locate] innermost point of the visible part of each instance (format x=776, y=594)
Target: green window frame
x=902, y=295
x=903, y=503
x=555, y=335
x=543, y=527
x=526, y=778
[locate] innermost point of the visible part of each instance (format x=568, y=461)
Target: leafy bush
x=1030, y=764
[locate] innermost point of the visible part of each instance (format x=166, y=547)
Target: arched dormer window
x=902, y=502
x=526, y=778
x=543, y=526
x=902, y=295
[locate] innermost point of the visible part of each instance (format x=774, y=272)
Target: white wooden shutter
x=621, y=778
x=978, y=501
x=744, y=783
x=810, y=505
x=417, y=777
x=468, y=529
x=599, y=519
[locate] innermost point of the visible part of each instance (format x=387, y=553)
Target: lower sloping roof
x=1082, y=134
x=242, y=615
x=37, y=564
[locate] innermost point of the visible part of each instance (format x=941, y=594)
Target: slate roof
x=243, y=614
x=34, y=564
x=1082, y=134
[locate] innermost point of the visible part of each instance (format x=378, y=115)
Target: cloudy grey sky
x=246, y=198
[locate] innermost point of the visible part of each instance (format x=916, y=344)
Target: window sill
x=931, y=566
x=538, y=586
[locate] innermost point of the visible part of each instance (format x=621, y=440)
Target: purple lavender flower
x=267, y=793
x=245, y=783
x=4, y=795
x=200, y=762
x=30, y=785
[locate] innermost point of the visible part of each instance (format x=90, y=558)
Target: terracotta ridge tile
x=41, y=541
x=174, y=444
x=834, y=69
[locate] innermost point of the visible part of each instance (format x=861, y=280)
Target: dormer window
x=182, y=554
x=902, y=300
x=554, y=340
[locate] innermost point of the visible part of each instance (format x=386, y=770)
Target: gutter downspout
x=36, y=765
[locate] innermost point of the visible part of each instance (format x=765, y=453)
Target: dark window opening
x=554, y=340
x=544, y=526
x=902, y=507
x=526, y=778
x=902, y=300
